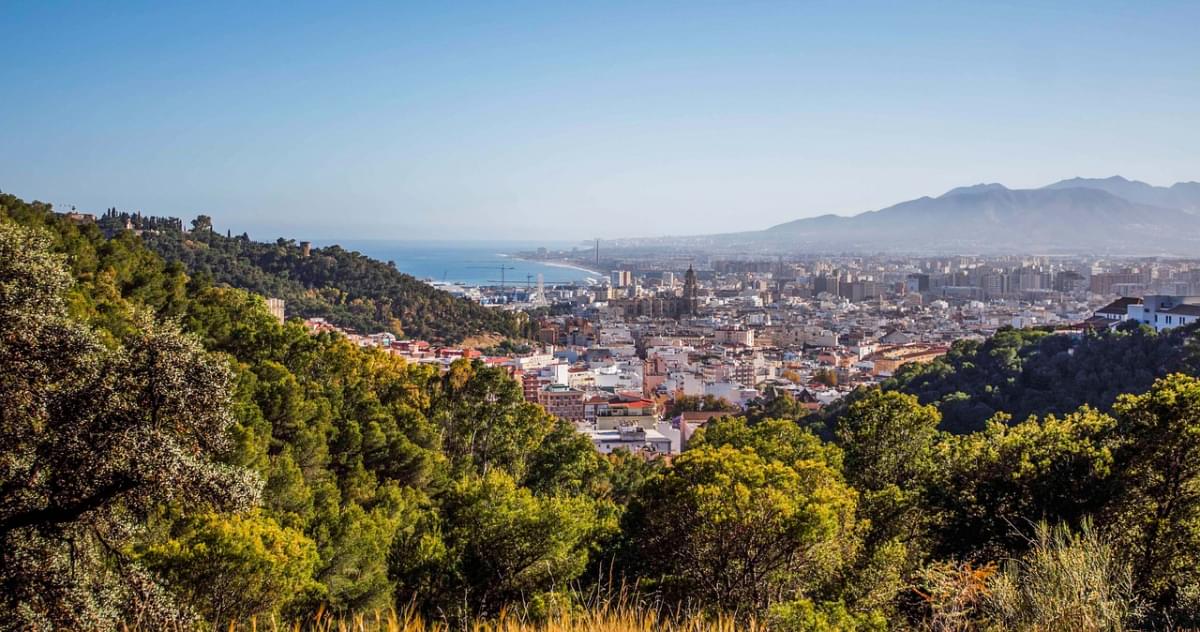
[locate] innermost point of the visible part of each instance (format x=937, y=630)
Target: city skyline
x=546, y=122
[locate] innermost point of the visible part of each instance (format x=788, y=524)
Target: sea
x=474, y=263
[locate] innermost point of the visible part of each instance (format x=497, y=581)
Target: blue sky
x=567, y=120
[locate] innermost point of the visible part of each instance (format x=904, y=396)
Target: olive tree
x=95, y=439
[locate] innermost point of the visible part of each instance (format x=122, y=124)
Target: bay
x=468, y=262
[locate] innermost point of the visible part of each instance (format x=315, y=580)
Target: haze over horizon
x=540, y=121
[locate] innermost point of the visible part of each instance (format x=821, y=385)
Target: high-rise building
x=917, y=282
x=1103, y=282
x=1070, y=281
x=621, y=278
x=828, y=283
x=993, y=284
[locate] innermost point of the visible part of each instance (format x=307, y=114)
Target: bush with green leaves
x=729, y=529
x=229, y=567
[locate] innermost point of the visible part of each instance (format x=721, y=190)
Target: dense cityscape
x=573, y=413
x=600, y=317
x=615, y=354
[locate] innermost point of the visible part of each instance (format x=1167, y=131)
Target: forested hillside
x=345, y=287
x=336, y=457
x=1025, y=372
x=174, y=457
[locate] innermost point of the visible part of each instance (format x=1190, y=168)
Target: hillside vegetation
x=1023, y=372
x=176, y=458
x=345, y=287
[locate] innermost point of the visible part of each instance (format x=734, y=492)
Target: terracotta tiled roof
x=1118, y=306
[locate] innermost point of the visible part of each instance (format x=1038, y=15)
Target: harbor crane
x=502, y=269
x=528, y=282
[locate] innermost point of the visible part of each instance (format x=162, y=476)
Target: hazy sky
x=573, y=120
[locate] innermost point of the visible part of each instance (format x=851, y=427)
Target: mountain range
x=1109, y=215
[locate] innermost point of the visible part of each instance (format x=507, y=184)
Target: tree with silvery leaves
x=96, y=438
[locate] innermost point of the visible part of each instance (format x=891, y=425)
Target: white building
x=621, y=278
x=684, y=382
x=1160, y=311
x=731, y=392
x=534, y=361
x=632, y=438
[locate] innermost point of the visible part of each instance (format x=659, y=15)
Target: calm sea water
x=470, y=262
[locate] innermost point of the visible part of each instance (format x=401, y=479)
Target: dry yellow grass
x=586, y=621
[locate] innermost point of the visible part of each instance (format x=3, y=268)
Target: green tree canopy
x=494, y=544
x=230, y=567
x=994, y=484
x=95, y=440
x=1156, y=514
x=735, y=531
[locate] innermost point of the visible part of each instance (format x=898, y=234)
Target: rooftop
x=1184, y=310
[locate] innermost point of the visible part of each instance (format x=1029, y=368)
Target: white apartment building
x=632, y=438
x=1164, y=312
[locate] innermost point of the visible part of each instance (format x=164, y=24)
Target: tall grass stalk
x=1067, y=581
x=587, y=620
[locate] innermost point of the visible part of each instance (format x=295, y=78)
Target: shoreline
x=558, y=263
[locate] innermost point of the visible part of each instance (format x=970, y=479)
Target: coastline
x=559, y=264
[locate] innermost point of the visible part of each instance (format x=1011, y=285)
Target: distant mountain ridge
x=1098, y=215
x=1184, y=196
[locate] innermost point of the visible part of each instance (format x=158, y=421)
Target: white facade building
x=1163, y=312
x=632, y=438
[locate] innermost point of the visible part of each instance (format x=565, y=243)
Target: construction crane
x=528, y=287
x=528, y=282
x=502, y=269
